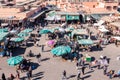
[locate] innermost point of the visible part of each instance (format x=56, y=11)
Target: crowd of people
x=75, y=55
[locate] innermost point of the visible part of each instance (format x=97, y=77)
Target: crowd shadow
x=38, y=75
x=38, y=78
x=45, y=59
x=30, y=44
x=94, y=48
x=89, y=72
x=18, y=51
x=46, y=50
x=71, y=76
x=84, y=77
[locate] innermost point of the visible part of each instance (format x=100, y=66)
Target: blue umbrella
x=61, y=50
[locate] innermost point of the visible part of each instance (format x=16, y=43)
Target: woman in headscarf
x=3, y=76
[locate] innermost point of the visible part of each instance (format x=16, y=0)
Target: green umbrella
x=4, y=34
x=1, y=38
x=85, y=41
x=3, y=30
x=27, y=30
x=18, y=39
x=69, y=29
x=45, y=31
x=23, y=34
x=14, y=60
x=61, y=50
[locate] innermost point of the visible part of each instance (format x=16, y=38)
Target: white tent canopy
x=117, y=37
x=99, y=23
x=51, y=18
x=103, y=30
x=101, y=27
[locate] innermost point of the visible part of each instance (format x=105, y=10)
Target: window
x=114, y=7
x=10, y=0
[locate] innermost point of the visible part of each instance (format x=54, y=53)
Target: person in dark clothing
x=30, y=71
x=3, y=76
x=64, y=74
x=38, y=57
x=42, y=48
x=78, y=76
x=18, y=74
x=105, y=70
x=28, y=75
x=12, y=77
x=83, y=70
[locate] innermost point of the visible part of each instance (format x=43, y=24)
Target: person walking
x=98, y=62
x=28, y=75
x=38, y=57
x=42, y=48
x=7, y=54
x=90, y=66
x=30, y=71
x=104, y=69
x=3, y=76
x=11, y=53
x=77, y=65
x=12, y=77
x=78, y=75
x=18, y=75
x=64, y=75
x=111, y=72
x=83, y=69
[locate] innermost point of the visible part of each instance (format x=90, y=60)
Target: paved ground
x=51, y=68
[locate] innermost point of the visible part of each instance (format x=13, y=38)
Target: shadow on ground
x=45, y=59
x=18, y=51
x=84, y=77
x=36, y=76
x=89, y=72
x=72, y=76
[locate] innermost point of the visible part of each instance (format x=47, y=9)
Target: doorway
x=81, y=18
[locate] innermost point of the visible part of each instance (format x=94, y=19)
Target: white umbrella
x=13, y=31
x=103, y=30
x=102, y=26
x=117, y=37
x=61, y=29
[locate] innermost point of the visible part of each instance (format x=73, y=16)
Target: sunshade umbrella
x=1, y=38
x=85, y=41
x=61, y=50
x=23, y=34
x=3, y=30
x=13, y=31
x=51, y=42
x=27, y=30
x=45, y=31
x=61, y=29
x=69, y=29
x=14, y=60
x=17, y=39
x=79, y=32
x=103, y=30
